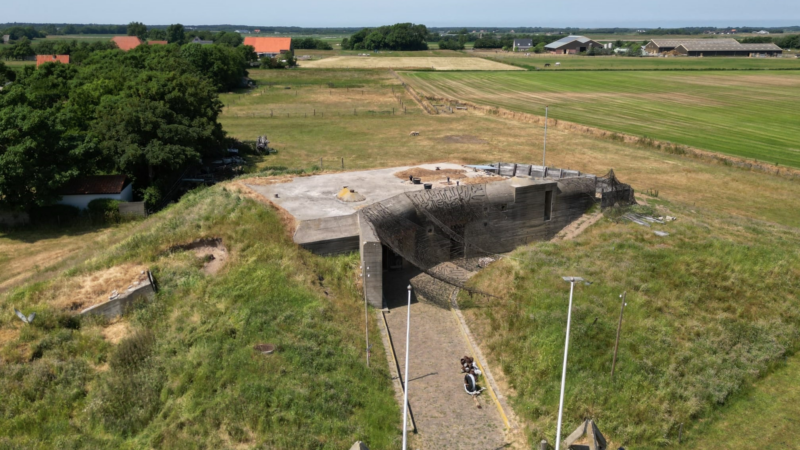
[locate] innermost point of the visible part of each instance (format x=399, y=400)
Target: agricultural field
x=750, y=115
x=80, y=37
x=401, y=62
x=571, y=62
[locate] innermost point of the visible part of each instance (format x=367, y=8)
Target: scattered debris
x=28, y=320
x=484, y=262
x=265, y=349
x=642, y=219
x=661, y=233
x=414, y=133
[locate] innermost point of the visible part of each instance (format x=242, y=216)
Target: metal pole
x=564, y=370
x=366, y=325
x=405, y=377
x=619, y=328
x=544, y=149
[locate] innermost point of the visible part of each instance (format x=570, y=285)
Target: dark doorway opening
x=548, y=204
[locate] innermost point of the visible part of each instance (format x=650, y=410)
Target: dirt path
x=446, y=416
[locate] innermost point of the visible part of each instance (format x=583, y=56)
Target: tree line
x=507, y=41
x=791, y=41
x=145, y=113
x=401, y=36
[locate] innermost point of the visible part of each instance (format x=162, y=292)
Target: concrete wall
x=371, y=263
x=125, y=301
x=82, y=201
x=329, y=235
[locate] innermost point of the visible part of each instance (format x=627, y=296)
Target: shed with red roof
x=269, y=46
x=41, y=59
x=81, y=191
x=126, y=43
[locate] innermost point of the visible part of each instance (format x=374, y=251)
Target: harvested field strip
x=743, y=114
x=607, y=63
x=435, y=63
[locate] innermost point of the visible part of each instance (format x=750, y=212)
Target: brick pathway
x=446, y=417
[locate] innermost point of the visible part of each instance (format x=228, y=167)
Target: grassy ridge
x=186, y=376
x=752, y=115
x=710, y=308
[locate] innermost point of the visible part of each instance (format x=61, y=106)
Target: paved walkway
x=446, y=417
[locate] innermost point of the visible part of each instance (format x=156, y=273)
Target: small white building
x=81, y=191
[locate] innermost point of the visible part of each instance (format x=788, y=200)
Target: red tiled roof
x=126, y=43
x=269, y=44
x=156, y=42
x=97, y=184
x=41, y=59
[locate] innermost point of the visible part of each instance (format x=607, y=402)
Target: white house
x=81, y=191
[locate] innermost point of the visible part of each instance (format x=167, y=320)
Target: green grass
x=762, y=416
x=711, y=308
x=570, y=62
x=186, y=376
x=746, y=114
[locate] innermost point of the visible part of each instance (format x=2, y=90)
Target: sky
x=437, y=13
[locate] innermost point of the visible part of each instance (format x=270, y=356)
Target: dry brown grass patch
x=81, y=292
x=116, y=331
x=427, y=175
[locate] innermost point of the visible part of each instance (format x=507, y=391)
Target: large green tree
x=176, y=34
x=137, y=29
x=144, y=113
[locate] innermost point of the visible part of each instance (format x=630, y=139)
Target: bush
x=104, y=210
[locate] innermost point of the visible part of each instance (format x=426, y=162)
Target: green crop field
x=751, y=115
x=571, y=62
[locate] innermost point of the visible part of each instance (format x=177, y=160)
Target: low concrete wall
x=132, y=209
x=371, y=263
x=145, y=290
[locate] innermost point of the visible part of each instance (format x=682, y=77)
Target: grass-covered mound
x=711, y=308
x=184, y=373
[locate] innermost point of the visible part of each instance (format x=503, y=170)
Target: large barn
x=656, y=46
x=703, y=49
x=269, y=46
x=572, y=45
x=710, y=47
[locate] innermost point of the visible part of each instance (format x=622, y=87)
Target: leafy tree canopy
x=137, y=29
x=176, y=34
x=144, y=113
x=401, y=36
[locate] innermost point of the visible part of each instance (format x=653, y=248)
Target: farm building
x=656, y=46
x=710, y=47
x=197, y=40
x=157, y=42
x=6, y=38
x=571, y=45
x=704, y=49
x=523, y=45
x=126, y=43
x=41, y=59
x=80, y=192
x=269, y=46
x=437, y=219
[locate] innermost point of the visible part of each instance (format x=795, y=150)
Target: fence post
x=342, y=163
x=320, y=164
x=315, y=113
x=619, y=328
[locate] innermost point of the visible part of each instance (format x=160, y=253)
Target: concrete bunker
x=445, y=230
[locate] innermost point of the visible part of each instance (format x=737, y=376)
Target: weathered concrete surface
x=446, y=417
x=371, y=263
x=314, y=197
x=144, y=290
x=329, y=236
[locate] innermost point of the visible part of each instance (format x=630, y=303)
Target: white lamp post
x=572, y=281
x=405, y=377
